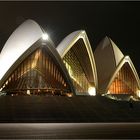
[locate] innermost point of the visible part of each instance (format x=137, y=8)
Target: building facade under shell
x=82, y=71
x=31, y=64
x=116, y=72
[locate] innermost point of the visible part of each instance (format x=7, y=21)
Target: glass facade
x=74, y=60
x=124, y=82
x=38, y=73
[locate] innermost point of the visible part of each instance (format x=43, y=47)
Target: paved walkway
x=69, y=130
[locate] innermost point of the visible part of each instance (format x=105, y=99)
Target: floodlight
x=45, y=36
x=138, y=93
x=92, y=91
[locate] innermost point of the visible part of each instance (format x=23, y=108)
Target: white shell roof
x=20, y=40
x=117, y=53
x=107, y=57
x=61, y=48
x=68, y=42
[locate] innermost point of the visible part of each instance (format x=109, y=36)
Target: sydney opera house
x=32, y=65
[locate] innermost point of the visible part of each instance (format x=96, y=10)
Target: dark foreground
x=61, y=109
x=69, y=131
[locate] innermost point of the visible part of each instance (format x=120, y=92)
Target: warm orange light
x=69, y=94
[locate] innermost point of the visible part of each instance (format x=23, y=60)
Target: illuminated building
x=30, y=63
x=76, y=52
x=116, y=72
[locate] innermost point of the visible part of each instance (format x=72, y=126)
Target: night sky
x=118, y=20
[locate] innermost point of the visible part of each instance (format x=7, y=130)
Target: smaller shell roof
x=20, y=40
x=67, y=42
x=107, y=46
x=88, y=63
x=107, y=57
x=126, y=59
x=117, y=53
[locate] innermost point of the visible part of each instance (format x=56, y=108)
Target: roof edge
x=120, y=65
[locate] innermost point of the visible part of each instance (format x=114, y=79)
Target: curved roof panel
x=125, y=59
x=117, y=53
x=107, y=57
x=20, y=40
x=67, y=41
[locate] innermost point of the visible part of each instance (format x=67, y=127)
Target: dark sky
x=118, y=20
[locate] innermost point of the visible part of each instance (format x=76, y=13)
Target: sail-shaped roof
x=83, y=53
x=107, y=56
x=126, y=60
x=109, y=60
x=19, y=41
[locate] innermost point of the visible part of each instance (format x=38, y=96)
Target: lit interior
x=124, y=82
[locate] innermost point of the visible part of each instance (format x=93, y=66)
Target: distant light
x=45, y=36
x=28, y=92
x=108, y=92
x=138, y=93
x=83, y=32
x=69, y=94
x=92, y=91
x=127, y=57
